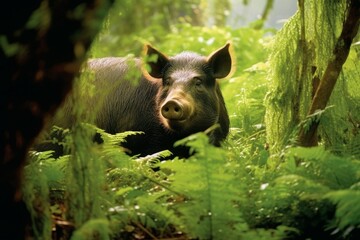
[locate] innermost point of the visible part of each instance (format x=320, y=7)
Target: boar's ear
x=221, y=61
x=156, y=61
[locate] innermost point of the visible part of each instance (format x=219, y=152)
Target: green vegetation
x=259, y=185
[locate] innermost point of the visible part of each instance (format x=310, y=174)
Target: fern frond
x=53, y=169
x=319, y=164
x=90, y=229
x=286, y=191
x=110, y=150
x=354, y=146
x=153, y=160
x=347, y=209
x=313, y=118
x=210, y=209
x=154, y=212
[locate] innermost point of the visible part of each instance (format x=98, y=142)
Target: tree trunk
x=43, y=44
x=308, y=137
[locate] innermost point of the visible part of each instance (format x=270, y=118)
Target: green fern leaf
x=321, y=165
x=348, y=208
x=210, y=190
x=94, y=227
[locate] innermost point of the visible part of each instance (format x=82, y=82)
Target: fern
x=138, y=204
x=93, y=229
x=209, y=208
x=353, y=147
x=292, y=195
x=313, y=118
x=347, y=217
x=296, y=196
x=55, y=171
x=280, y=201
x=155, y=214
x=110, y=150
x=324, y=167
x=153, y=160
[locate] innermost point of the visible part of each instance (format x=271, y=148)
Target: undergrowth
x=212, y=195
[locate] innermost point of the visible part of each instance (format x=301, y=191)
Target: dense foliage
x=233, y=192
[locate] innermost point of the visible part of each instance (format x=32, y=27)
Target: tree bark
x=42, y=46
x=308, y=137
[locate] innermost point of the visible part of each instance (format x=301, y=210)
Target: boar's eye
x=198, y=81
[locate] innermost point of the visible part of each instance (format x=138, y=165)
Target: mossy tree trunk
x=306, y=61
x=43, y=44
x=327, y=83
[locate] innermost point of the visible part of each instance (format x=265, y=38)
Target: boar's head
x=189, y=99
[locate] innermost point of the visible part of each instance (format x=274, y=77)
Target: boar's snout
x=175, y=110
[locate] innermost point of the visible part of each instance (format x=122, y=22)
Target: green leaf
x=347, y=208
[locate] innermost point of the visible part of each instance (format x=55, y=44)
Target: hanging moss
x=86, y=180
x=300, y=55
x=285, y=60
x=36, y=194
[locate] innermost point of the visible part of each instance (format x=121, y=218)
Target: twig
x=145, y=230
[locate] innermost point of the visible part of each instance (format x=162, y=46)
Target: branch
x=308, y=137
x=268, y=7
x=265, y=14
